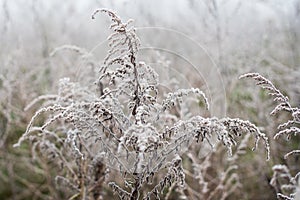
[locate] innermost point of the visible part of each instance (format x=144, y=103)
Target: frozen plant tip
x=284, y=183
x=291, y=126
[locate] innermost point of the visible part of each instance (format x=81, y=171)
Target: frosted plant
x=284, y=183
x=225, y=177
x=124, y=123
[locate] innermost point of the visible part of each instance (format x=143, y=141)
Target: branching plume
x=126, y=124
x=284, y=183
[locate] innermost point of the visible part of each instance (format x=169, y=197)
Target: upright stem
x=137, y=185
x=137, y=86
